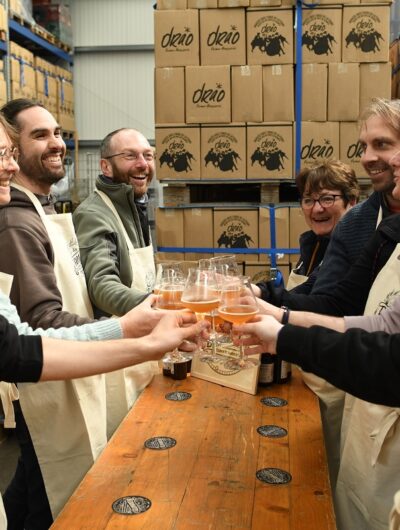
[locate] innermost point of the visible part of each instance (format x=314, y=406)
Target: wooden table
x=208, y=480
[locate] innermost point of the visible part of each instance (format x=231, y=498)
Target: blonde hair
x=386, y=109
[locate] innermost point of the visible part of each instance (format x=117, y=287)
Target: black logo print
x=317, y=37
x=269, y=39
x=234, y=235
x=176, y=156
x=363, y=34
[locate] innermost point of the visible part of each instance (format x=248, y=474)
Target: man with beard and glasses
x=116, y=250
x=40, y=257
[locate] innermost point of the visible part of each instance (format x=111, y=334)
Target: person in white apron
x=116, y=249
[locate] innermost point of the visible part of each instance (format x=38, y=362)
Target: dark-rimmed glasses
x=131, y=156
x=6, y=154
x=325, y=201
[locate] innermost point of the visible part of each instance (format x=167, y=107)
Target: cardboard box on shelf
x=270, y=36
x=176, y=37
x=3, y=88
x=169, y=88
x=319, y=141
x=233, y=3
x=350, y=147
x=208, y=94
x=269, y=151
x=365, y=36
x=46, y=81
x=297, y=226
x=247, y=93
x=198, y=231
x=265, y=3
x=21, y=52
x=171, y=4
x=262, y=272
x=315, y=92
x=321, y=35
x=223, y=152
x=280, y=225
x=3, y=18
x=202, y=4
x=236, y=229
x=375, y=82
x=169, y=232
x=222, y=36
x=278, y=93
x=343, y=79
x=178, y=153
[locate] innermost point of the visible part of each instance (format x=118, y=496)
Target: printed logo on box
x=177, y=42
x=354, y=152
x=268, y=153
x=223, y=40
x=234, y=233
x=315, y=151
x=363, y=34
x=221, y=153
x=176, y=154
x=209, y=97
x=317, y=37
x=268, y=38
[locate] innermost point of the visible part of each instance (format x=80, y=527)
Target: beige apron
x=124, y=386
x=8, y=391
x=394, y=519
x=66, y=419
x=331, y=401
x=369, y=473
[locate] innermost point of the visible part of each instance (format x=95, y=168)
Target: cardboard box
x=3, y=89
x=222, y=36
x=233, y=3
x=169, y=232
x=178, y=153
x=319, y=141
x=314, y=92
x=281, y=232
x=269, y=152
x=236, y=229
x=375, y=82
x=198, y=231
x=270, y=36
x=171, y=4
x=278, y=93
x=202, y=4
x=343, y=80
x=265, y=3
x=350, y=147
x=208, y=94
x=223, y=152
x=3, y=18
x=321, y=35
x=366, y=34
x=169, y=89
x=297, y=226
x=176, y=37
x=247, y=93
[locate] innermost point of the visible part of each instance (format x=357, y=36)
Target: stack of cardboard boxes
x=225, y=102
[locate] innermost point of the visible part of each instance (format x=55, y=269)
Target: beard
x=35, y=171
x=124, y=177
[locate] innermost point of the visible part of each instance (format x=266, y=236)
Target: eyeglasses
x=325, y=201
x=6, y=154
x=132, y=156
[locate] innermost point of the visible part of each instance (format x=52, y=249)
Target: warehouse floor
x=9, y=452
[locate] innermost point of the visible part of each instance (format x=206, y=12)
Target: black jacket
x=350, y=294
x=366, y=365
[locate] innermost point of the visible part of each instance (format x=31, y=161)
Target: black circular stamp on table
x=274, y=401
x=160, y=443
x=131, y=505
x=273, y=475
x=178, y=396
x=272, y=431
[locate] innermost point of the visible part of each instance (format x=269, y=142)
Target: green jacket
x=104, y=253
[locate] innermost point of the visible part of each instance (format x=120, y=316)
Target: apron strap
x=8, y=394
x=381, y=432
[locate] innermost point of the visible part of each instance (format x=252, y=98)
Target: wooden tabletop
x=208, y=480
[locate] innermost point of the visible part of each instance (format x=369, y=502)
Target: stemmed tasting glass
x=238, y=305
x=201, y=295
x=228, y=261
x=167, y=272
x=169, y=296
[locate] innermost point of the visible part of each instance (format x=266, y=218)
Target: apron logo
x=73, y=247
x=386, y=302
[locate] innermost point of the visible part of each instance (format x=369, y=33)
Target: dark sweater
x=21, y=358
x=366, y=365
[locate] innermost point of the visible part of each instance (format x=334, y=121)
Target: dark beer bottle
x=282, y=371
x=266, y=374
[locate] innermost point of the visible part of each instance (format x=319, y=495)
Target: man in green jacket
x=112, y=225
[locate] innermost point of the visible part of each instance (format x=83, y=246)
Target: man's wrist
x=285, y=315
